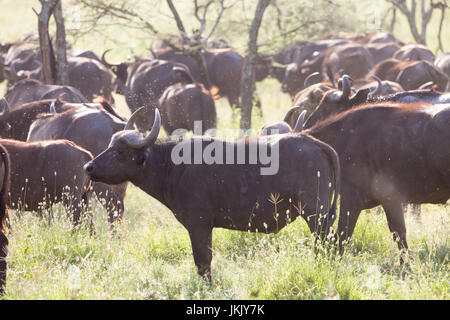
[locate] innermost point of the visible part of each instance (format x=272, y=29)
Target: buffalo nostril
x=88, y=167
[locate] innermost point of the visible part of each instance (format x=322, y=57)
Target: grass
x=149, y=256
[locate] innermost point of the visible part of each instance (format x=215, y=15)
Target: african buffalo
x=309, y=50
x=288, y=54
x=14, y=124
x=183, y=104
x=84, y=73
x=410, y=74
x=91, y=128
x=391, y=152
x=22, y=59
x=352, y=59
x=309, y=98
x=378, y=87
x=414, y=52
x=328, y=103
x=349, y=58
x=336, y=101
x=383, y=37
x=381, y=51
x=221, y=192
x=143, y=82
x=4, y=191
x=47, y=172
x=89, y=76
x=279, y=127
x=443, y=63
x=29, y=90
x=224, y=68
x=84, y=53
x=311, y=104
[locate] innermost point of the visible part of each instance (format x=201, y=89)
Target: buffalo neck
x=157, y=172
x=326, y=132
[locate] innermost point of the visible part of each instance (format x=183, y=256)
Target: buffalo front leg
x=201, y=241
x=349, y=212
x=346, y=226
x=396, y=223
x=233, y=100
x=111, y=197
x=3, y=265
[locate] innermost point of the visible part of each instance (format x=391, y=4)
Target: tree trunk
x=203, y=68
x=195, y=47
x=248, y=74
x=61, y=57
x=410, y=14
x=44, y=39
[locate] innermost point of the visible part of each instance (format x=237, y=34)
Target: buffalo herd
x=368, y=125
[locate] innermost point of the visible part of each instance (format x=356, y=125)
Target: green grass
x=149, y=256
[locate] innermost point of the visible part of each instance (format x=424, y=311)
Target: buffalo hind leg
x=346, y=226
x=349, y=211
x=3, y=265
x=201, y=241
x=111, y=197
x=396, y=223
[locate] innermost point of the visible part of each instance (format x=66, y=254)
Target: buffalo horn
x=6, y=111
x=330, y=76
x=306, y=83
x=378, y=88
x=346, y=87
x=426, y=85
x=52, y=107
x=299, y=124
x=15, y=75
x=288, y=116
x=109, y=65
x=151, y=137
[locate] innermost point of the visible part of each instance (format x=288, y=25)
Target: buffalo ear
x=360, y=97
x=304, y=70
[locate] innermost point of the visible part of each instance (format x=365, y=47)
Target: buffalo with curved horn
x=283, y=126
x=334, y=96
x=306, y=83
x=199, y=193
x=143, y=82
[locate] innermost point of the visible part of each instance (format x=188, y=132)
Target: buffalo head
x=336, y=101
x=126, y=154
x=121, y=72
x=283, y=126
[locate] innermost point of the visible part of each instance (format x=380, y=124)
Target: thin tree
x=47, y=7
x=54, y=69
x=248, y=73
x=61, y=53
x=410, y=10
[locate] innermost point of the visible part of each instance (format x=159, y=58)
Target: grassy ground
x=149, y=256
